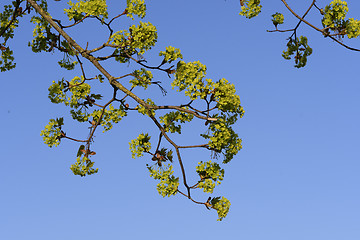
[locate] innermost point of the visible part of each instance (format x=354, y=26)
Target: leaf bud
x=19, y=11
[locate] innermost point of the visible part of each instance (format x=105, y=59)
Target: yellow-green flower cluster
x=140, y=145
x=80, y=115
x=109, y=116
x=251, y=8
x=143, y=36
x=79, y=100
x=222, y=206
x=168, y=183
x=210, y=174
x=52, y=132
x=353, y=28
x=121, y=38
x=79, y=91
x=189, y=77
x=334, y=19
x=335, y=14
x=91, y=8
x=171, y=54
x=83, y=167
x=277, y=19
x=170, y=118
x=138, y=40
x=223, y=138
x=41, y=34
x=142, y=78
x=141, y=109
x=137, y=7
x=56, y=92
x=227, y=100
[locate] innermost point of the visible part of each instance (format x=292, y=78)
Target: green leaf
x=251, y=8
x=80, y=151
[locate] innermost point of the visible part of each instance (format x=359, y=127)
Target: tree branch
x=85, y=53
x=317, y=29
x=296, y=27
x=300, y=18
x=13, y=18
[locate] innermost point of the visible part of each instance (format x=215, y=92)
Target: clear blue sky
x=297, y=176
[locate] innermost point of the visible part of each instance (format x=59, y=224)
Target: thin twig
x=13, y=18
x=300, y=18
x=311, y=5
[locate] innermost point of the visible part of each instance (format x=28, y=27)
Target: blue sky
x=296, y=177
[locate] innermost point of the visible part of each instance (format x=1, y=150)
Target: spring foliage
x=334, y=22
x=93, y=108
x=250, y=8
x=220, y=105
